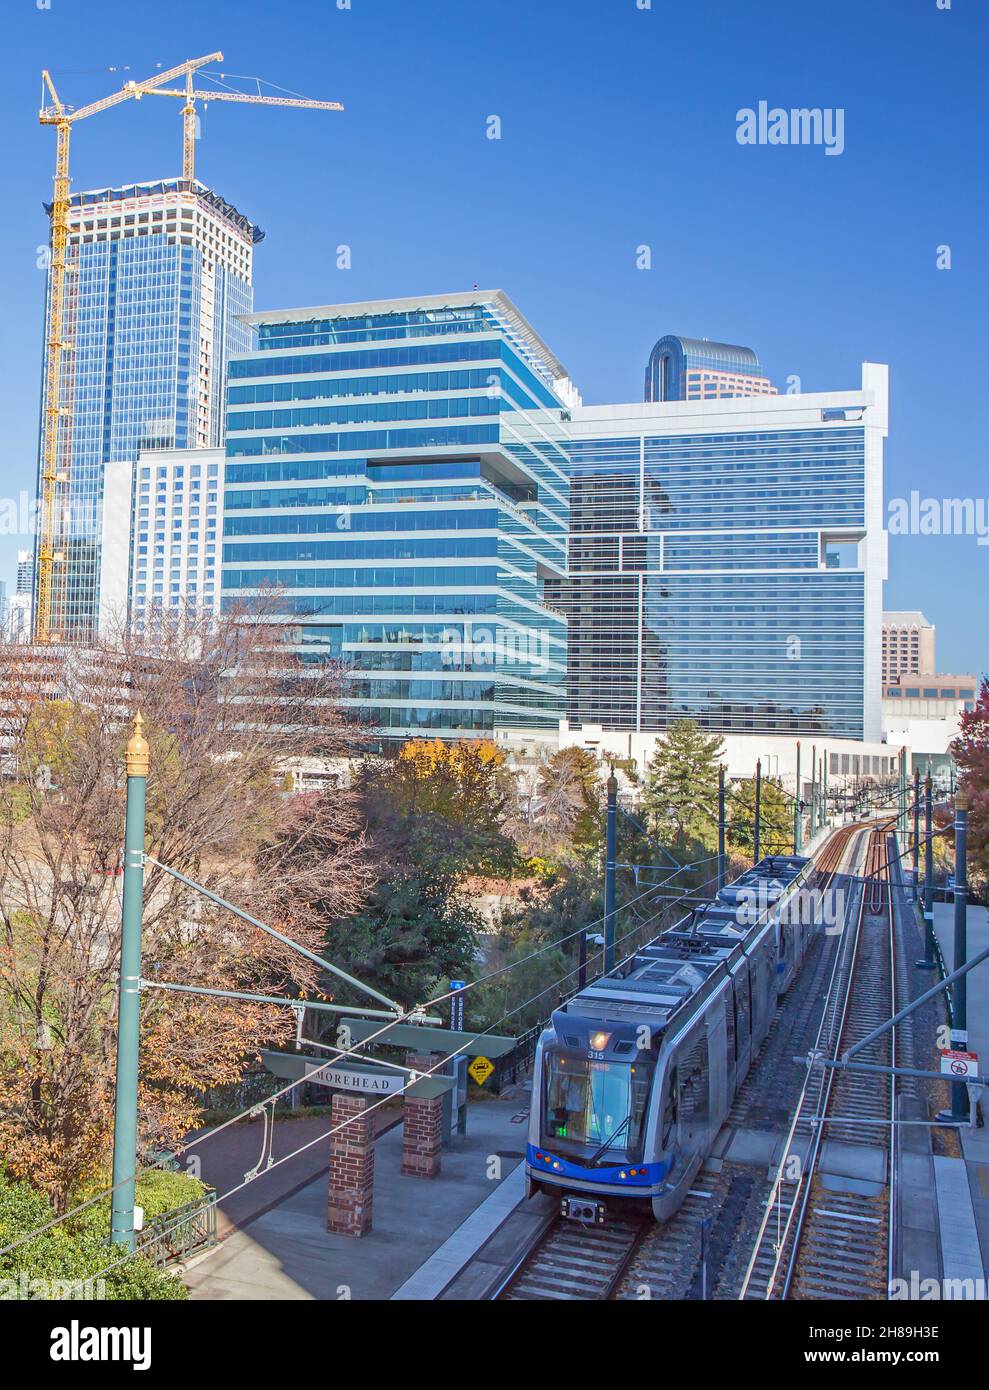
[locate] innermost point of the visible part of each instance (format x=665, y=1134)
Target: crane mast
x=50, y=607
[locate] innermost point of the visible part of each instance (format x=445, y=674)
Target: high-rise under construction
x=157, y=278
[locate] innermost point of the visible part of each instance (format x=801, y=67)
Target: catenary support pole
x=129, y=1008
x=916, y=832
x=959, y=993
x=758, y=810
x=721, y=827
x=928, y=963
x=610, y=856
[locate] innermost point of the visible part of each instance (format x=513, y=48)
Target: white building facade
x=726, y=564
x=176, y=510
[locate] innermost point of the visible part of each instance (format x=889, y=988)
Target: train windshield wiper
x=608, y=1142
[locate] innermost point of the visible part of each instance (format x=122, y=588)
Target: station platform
x=287, y=1253
x=963, y=1183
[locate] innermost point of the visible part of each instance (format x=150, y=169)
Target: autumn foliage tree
x=775, y=817
x=971, y=752
x=226, y=708
x=442, y=803
x=559, y=817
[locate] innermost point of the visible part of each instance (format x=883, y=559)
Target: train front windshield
x=591, y=1106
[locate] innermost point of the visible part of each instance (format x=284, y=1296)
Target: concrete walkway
x=287, y=1252
x=953, y=1207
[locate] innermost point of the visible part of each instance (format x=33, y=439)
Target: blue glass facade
x=398, y=472
x=717, y=576
x=160, y=277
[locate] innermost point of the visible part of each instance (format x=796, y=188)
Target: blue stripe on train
x=557, y=1167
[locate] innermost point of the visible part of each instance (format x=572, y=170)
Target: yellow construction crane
x=56, y=411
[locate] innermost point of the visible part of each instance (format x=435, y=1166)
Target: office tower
x=398, y=468
x=695, y=369
x=159, y=277
x=908, y=645
x=726, y=563
x=25, y=563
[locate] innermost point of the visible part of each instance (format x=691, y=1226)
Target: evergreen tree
x=680, y=798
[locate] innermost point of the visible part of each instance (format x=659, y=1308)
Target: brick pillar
x=351, y=1179
x=422, y=1061
x=422, y=1136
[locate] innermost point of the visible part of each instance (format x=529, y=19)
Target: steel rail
x=874, y=865
x=846, y=833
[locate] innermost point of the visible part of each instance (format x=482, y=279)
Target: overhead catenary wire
x=407, y=1016
x=238, y=1187
x=414, y=1076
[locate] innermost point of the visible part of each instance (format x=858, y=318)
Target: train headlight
x=599, y=1041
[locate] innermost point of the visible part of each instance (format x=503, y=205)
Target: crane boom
x=190, y=95
x=247, y=96
x=55, y=455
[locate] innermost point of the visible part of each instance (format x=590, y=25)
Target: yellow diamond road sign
x=480, y=1069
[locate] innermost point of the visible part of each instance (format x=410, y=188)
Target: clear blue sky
x=618, y=130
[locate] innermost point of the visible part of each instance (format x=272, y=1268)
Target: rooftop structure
x=694, y=369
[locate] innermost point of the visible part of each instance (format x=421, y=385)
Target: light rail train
x=634, y=1076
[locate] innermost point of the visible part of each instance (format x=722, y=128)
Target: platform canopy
x=363, y=1078
x=417, y=1039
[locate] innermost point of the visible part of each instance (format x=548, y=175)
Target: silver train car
x=634, y=1076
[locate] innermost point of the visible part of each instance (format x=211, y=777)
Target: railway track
x=822, y=1236
x=575, y=1262
x=633, y=1259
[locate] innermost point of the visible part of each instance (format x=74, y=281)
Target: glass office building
x=726, y=564
x=696, y=369
x=397, y=471
x=158, y=285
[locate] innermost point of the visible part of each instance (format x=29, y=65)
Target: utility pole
x=721, y=827
x=758, y=809
x=959, y=1021
x=928, y=963
x=797, y=817
x=582, y=960
x=610, y=856
x=129, y=1006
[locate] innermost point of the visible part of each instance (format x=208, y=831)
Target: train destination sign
x=959, y=1064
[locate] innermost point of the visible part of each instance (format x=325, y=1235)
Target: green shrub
x=50, y=1264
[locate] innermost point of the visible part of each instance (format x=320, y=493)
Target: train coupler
x=583, y=1209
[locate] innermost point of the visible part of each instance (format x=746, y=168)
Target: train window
x=693, y=1091
x=743, y=996
x=590, y=1104
x=730, y=1020
x=670, y=1108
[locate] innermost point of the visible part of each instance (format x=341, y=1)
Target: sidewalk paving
x=286, y=1252
x=227, y=1156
